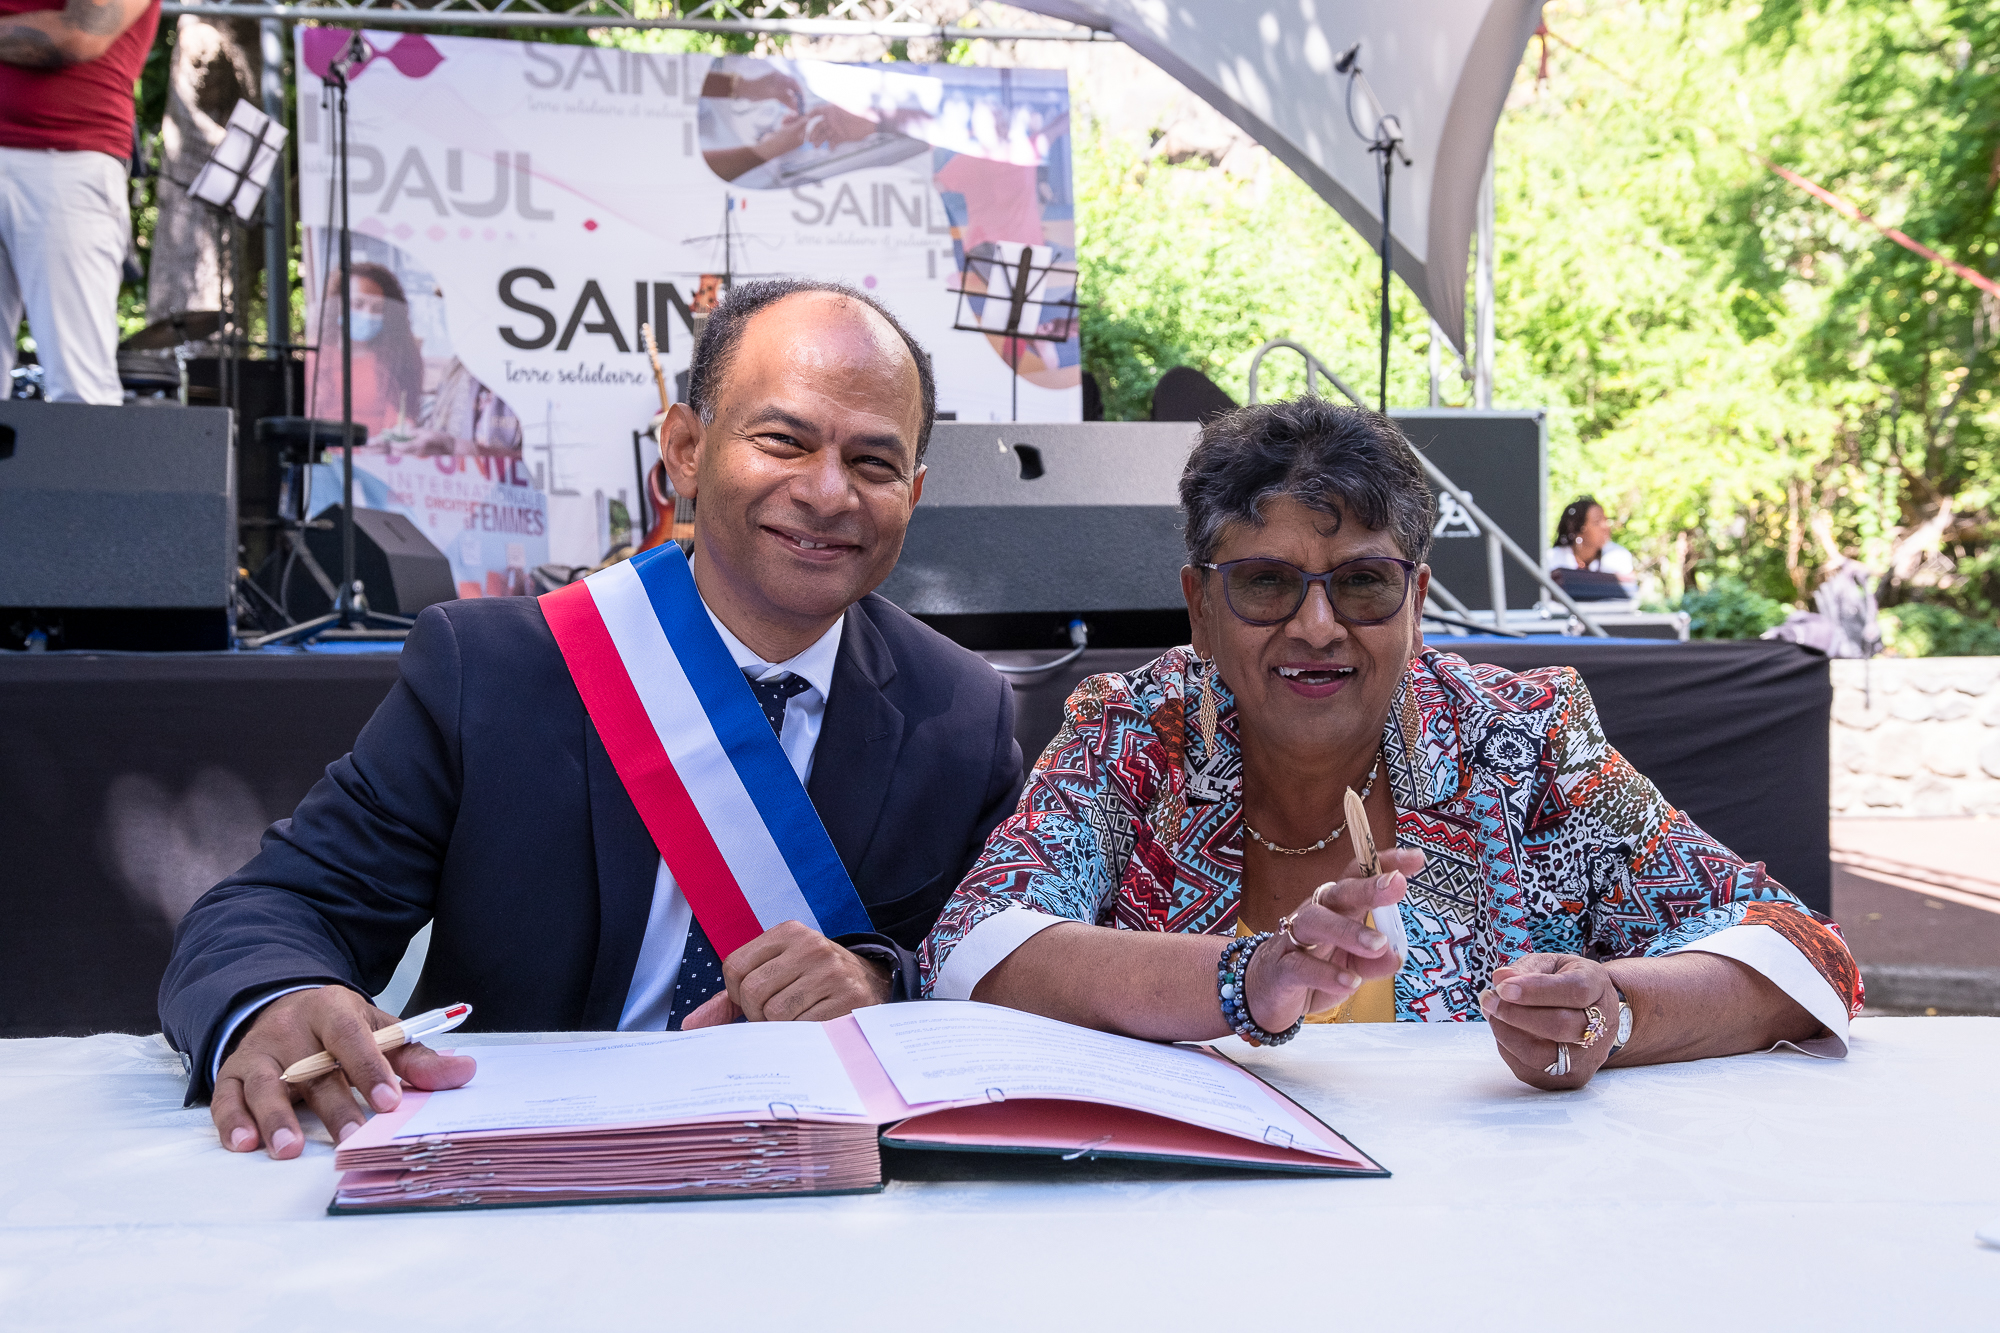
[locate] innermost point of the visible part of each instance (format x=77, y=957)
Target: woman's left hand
x=1537, y=1002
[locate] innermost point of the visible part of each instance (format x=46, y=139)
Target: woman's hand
x=1335, y=951
x=1536, y=1003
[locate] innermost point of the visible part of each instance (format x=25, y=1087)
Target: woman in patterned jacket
x=1179, y=865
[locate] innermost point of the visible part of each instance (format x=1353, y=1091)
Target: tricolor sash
x=696, y=754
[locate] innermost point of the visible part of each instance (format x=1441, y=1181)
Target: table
x=1763, y=1191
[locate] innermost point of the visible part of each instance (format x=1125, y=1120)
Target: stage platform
x=130, y=783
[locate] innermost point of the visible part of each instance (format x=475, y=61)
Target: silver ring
x=1560, y=1069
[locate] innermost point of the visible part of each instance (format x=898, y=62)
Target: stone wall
x=1917, y=737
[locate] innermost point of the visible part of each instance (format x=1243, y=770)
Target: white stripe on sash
x=682, y=725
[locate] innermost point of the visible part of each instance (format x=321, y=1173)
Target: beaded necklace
x=1374, y=770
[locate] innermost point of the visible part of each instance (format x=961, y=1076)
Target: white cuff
x=1779, y=961
x=241, y=1016
x=986, y=946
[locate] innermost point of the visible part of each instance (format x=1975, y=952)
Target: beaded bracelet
x=1229, y=974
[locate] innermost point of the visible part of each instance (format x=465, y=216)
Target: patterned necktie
x=701, y=969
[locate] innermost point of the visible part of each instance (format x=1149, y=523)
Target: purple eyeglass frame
x=1306, y=584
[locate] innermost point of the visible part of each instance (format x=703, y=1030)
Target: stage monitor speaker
x=1502, y=459
x=117, y=525
x=1185, y=394
x=397, y=565
x=1046, y=520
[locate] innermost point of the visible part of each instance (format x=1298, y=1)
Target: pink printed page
x=878, y=1094
x=1063, y=1126
x=382, y=1127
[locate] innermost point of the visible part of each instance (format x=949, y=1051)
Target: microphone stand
x=350, y=617
x=1388, y=149
x=1385, y=140
x=336, y=77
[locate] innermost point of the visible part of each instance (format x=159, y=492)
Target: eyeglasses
x=1367, y=591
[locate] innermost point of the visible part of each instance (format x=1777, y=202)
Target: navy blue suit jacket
x=480, y=798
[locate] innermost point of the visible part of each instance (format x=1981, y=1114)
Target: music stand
x=232, y=182
x=1384, y=136
x=1024, y=271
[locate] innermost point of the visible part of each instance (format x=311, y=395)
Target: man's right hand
x=253, y=1105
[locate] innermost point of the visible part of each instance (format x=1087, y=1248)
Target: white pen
x=386, y=1039
x=1388, y=920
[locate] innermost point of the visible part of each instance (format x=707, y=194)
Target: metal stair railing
x=1499, y=546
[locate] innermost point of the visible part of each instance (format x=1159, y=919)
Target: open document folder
x=795, y=1108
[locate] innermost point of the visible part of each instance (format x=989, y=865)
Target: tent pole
x=1482, y=374
x=1388, y=152
x=1437, y=365
x=277, y=229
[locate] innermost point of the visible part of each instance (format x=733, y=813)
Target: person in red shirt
x=66, y=73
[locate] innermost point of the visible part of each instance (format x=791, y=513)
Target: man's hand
x=54, y=38
x=792, y=972
x=253, y=1104
x=1538, y=1001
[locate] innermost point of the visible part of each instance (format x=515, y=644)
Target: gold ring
x=1593, y=1026
x=1285, y=929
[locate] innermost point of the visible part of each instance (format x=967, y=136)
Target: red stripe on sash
x=649, y=776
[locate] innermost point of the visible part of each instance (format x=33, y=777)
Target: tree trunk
x=214, y=64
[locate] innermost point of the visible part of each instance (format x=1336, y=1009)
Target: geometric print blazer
x=1538, y=837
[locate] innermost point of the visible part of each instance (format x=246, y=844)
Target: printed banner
x=519, y=209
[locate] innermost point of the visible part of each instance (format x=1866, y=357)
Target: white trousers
x=64, y=223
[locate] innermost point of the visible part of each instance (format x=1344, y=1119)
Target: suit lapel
x=627, y=862
x=859, y=740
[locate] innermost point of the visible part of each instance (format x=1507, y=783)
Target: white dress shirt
x=650, y=998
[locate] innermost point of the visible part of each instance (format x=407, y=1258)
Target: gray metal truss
x=890, y=19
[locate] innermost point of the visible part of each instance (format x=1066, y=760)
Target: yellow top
x=1375, y=1002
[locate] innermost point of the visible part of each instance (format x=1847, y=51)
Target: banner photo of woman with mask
x=388, y=363
x=443, y=449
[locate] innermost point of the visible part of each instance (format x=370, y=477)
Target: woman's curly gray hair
x=1336, y=460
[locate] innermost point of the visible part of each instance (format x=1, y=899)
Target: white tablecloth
x=1769, y=1191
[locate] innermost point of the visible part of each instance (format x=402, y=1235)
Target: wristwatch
x=1624, y=1024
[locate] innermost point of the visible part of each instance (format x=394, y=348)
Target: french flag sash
x=696, y=754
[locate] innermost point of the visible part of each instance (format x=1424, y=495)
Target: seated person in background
x=1178, y=865
x=1583, y=541
x=482, y=798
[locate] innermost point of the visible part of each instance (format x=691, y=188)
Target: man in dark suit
x=479, y=798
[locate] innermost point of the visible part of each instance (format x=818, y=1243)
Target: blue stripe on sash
x=750, y=743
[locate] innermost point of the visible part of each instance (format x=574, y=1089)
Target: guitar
x=680, y=527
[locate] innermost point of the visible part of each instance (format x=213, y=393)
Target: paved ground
x=1919, y=901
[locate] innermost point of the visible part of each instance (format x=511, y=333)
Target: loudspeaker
x=1045, y=521
x=1502, y=459
x=1185, y=394
x=397, y=565
x=117, y=525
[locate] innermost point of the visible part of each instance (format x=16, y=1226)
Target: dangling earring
x=1208, y=709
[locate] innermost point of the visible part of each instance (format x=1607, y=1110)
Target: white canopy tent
x=1442, y=67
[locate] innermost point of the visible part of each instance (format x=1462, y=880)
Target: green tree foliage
x=1729, y=608
x=1745, y=376
x=1925, y=629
